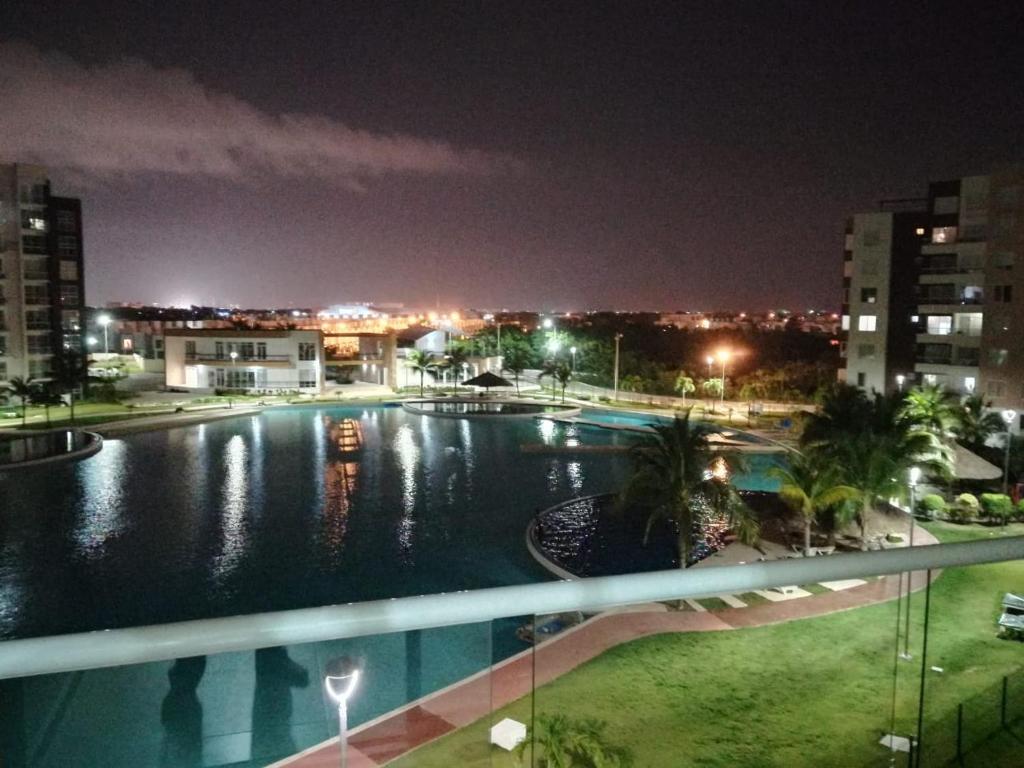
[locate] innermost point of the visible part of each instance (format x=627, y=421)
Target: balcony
x=202, y=358
x=437, y=672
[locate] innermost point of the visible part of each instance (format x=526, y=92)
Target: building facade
x=933, y=294
x=258, y=361
x=42, y=280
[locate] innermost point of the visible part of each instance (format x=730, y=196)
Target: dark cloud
x=130, y=117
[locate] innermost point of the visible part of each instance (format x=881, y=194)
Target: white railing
x=109, y=648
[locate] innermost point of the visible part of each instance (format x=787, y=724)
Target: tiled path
x=379, y=741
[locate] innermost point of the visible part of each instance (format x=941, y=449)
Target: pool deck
x=380, y=741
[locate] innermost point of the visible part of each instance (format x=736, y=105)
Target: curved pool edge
x=93, y=447
x=536, y=549
x=562, y=410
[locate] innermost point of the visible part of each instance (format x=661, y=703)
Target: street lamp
x=1009, y=416
x=234, y=375
x=341, y=676
x=724, y=355
x=104, y=320
x=572, y=351
x=548, y=323
x=915, y=478
x=615, y=395
x=90, y=340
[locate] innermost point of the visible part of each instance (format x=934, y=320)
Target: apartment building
x=270, y=361
x=933, y=292
x=42, y=281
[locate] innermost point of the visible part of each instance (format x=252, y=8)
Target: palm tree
x=684, y=385
x=23, y=389
x=548, y=369
x=810, y=490
x=677, y=477
x=69, y=371
x=977, y=423
x=45, y=396
x=563, y=375
x=934, y=408
x=423, y=362
x=516, y=359
x=456, y=360
x=871, y=444
x=561, y=742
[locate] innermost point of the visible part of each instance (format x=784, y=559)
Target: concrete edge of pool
x=488, y=408
x=93, y=445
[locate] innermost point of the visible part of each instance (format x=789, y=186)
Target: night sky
x=508, y=154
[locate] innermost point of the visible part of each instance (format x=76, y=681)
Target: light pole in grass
x=615, y=390
x=915, y=478
x=234, y=376
x=104, y=320
x=1009, y=416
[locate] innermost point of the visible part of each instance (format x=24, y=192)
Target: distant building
x=270, y=361
x=934, y=291
x=42, y=280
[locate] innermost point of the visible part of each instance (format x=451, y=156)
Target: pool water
x=290, y=508
x=272, y=511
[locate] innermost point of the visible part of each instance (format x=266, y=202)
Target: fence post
x=959, y=732
x=1002, y=706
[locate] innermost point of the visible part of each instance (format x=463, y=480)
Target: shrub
x=964, y=509
x=932, y=505
x=997, y=506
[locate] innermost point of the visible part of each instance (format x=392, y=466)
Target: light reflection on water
x=266, y=513
x=102, y=486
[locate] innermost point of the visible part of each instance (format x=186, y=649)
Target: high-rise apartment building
x=934, y=290
x=42, y=288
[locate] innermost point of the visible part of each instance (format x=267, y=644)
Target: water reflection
x=341, y=474
x=574, y=471
x=181, y=715
x=103, y=480
x=547, y=429
x=233, y=505
x=408, y=456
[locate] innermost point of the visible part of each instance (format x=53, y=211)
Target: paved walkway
x=392, y=735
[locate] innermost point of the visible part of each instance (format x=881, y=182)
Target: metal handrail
x=117, y=647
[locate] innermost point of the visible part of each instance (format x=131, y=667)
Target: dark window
x=1002, y=293
x=67, y=245
x=869, y=295
x=33, y=244
x=307, y=350
x=66, y=221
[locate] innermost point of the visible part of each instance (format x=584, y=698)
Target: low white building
x=251, y=360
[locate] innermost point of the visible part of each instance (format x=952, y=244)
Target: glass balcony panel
x=253, y=708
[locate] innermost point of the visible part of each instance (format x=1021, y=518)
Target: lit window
x=919, y=231
x=866, y=322
x=940, y=325
x=845, y=323
x=944, y=234
x=930, y=379
x=969, y=383
x=915, y=319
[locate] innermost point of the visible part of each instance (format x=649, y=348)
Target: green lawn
x=811, y=692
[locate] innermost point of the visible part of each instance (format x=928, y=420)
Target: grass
x=811, y=692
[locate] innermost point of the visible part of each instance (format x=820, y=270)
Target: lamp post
x=615, y=395
x=572, y=351
x=341, y=676
x=104, y=320
x=724, y=355
x=1009, y=416
x=915, y=478
x=234, y=375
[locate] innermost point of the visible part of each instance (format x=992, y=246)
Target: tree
x=45, y=396
x=561, y=742
x=810, y=490
x=563, y=375
x=456, y=360
x=69, y=371
x=684, y=385
x=547, y=370
x=977, y=423
x=934, y=408
x=22, y=389
x=422, y=362
x=677, y=477
x=515, y=360
x=871, y=444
